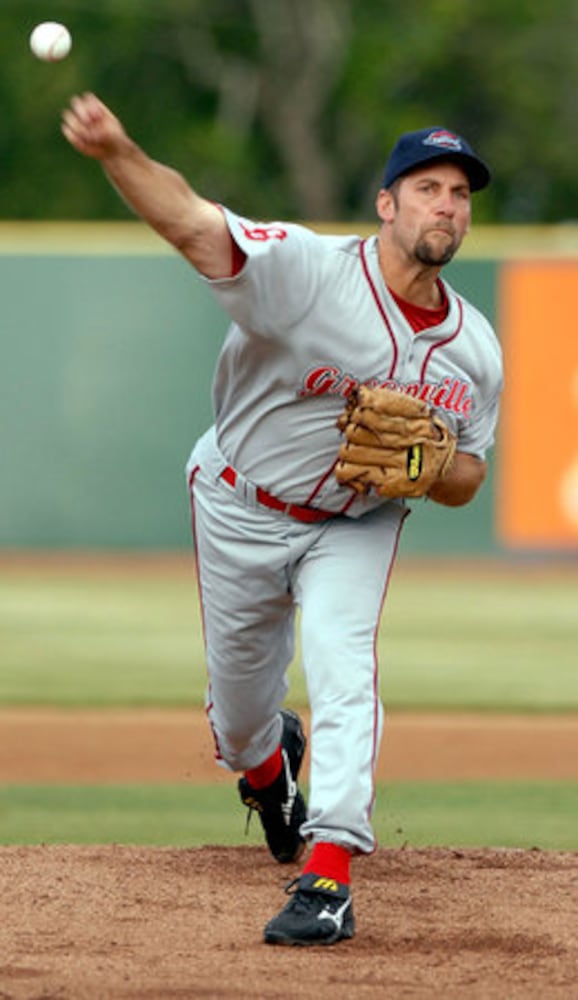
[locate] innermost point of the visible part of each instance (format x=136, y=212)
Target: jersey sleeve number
x=263, y=233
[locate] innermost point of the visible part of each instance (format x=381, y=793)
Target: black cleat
x=281, y=806
x=320, y=911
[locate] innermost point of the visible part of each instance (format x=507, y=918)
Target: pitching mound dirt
x=120, y=923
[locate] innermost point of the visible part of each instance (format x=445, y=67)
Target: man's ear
x=385, y=205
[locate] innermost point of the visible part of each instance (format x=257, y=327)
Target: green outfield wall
x=109, y=342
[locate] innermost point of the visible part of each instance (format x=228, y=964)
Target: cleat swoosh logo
x=287, y=805
x=337, y=916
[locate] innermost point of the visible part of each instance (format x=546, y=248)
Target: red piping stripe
x=209, y=705
x=379, y=305
x=321, y=483
x=350, y=500
x=376, y=666
x=349, y=503
x=442, y=343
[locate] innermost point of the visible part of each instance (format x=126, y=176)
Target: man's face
x=428, y=213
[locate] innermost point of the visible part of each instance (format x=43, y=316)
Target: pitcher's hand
x=92, y=128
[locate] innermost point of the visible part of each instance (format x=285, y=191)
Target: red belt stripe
x=310, y=515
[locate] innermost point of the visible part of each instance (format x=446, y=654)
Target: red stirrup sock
x=329, y=861
x=265, y=774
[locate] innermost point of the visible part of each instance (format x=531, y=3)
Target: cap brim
x=478, y=173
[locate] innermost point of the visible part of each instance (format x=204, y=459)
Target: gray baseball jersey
x=312, y=317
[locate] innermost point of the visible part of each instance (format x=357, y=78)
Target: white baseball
x=50, y=41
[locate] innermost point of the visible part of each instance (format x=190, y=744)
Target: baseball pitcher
x=352, y=378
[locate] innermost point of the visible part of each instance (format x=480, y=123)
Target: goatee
x=432, y=256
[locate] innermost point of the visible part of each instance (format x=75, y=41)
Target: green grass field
x=416, y=814
x=493, y=640
x=499, y=641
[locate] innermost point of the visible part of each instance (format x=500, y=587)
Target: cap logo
x=443, y=140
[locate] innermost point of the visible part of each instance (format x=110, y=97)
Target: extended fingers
x=88, y=124
x=80, y=117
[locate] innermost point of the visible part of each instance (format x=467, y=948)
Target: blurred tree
x=287, y=108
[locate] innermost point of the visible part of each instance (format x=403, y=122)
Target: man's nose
x=446, y=204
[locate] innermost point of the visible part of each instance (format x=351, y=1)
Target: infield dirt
x=122, y=923
x=120, y=746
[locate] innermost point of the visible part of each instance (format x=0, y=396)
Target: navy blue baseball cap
x=416, y=149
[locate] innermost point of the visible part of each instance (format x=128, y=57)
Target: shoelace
x=303, y=901
x=250, y=811
x=300, y=900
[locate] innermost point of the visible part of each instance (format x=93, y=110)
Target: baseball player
x=322, y=327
